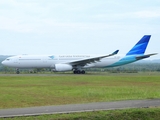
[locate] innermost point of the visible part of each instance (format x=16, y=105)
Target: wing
x=83, y=62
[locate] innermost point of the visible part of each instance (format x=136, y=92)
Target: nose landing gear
x=17, y=71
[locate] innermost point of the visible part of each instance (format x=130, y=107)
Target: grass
x=127, y=114
x=28, y=91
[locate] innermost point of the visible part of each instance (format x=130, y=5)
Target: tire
x=75, y=71
x=83, y=72
x=78, y=72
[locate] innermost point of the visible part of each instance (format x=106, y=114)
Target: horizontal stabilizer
x=145, y=56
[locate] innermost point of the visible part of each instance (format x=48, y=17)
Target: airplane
x=77, y=63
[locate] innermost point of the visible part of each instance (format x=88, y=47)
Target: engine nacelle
x=63, y=67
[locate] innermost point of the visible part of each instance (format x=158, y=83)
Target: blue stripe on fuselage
x=125, y=60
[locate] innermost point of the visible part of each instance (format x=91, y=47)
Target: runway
x=71, y=108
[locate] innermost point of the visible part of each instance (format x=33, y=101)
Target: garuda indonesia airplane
x=77, y=63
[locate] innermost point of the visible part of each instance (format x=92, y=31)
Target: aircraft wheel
x=17, y=72
x=75, y=71
x=78, y=72
x=83, y=72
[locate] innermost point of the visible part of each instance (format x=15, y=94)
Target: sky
x=77, y=26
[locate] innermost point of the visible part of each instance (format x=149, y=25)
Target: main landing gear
x=79, y=72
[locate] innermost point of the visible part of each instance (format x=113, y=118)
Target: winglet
x=115, y=52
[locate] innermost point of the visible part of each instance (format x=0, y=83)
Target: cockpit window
x=8, y=59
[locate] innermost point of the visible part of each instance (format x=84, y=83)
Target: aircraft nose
x=3, y=62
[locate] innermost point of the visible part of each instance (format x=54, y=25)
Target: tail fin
x=140, y=47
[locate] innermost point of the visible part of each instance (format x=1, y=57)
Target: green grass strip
x=29, y=91
x=126, y=114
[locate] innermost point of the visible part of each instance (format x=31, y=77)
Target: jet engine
x=63, y=67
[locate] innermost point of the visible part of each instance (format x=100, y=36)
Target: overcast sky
x=77, y=26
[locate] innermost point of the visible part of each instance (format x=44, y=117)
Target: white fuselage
x=78, y=62
x=49, y=61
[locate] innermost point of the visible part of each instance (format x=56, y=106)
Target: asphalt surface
x=79, y=108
